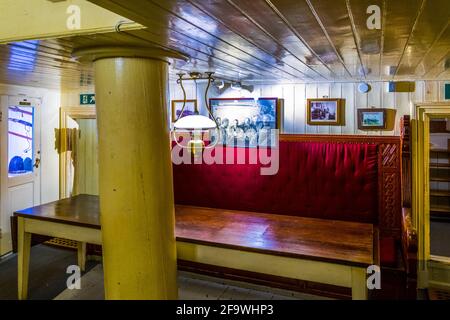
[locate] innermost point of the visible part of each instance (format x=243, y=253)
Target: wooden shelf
x=440, y=179
x=440, y=174
x=439, y=165
x=440, y=151
x=440, y=193
x=440, y=217
x=439, y=209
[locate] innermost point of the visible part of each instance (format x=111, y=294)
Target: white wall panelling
x=295, y=96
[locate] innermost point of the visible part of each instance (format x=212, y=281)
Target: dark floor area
x=48, y=276
x=47, y=273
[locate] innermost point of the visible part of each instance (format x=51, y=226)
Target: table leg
x=359, y=284
x=82, y=256
x=23, y=259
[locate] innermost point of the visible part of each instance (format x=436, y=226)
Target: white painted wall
x=71, y=98
x=49, y=121
x=295, y=96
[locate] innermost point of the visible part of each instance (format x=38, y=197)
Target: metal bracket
x=194, y=76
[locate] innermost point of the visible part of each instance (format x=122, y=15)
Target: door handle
x=37, y=162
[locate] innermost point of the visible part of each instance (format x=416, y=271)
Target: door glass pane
x=440, y=187
x=20, y=140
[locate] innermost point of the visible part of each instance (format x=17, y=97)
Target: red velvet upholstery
x=388, y=252
x=321, y=180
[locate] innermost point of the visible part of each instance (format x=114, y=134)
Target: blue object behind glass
x=20, y=138
x=16, y=165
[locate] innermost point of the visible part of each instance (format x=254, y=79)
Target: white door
x=20, y=160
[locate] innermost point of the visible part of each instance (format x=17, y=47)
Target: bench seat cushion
x=341, y=242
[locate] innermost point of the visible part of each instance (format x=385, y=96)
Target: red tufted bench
x=347, y=178
x=318, y=180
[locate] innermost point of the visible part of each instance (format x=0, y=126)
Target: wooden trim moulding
x=272, y=281
x=339, y=138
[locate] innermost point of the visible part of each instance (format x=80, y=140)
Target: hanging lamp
x=196, y=124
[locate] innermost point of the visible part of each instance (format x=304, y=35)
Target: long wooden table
x=324, y=251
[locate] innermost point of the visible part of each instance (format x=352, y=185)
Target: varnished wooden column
x=135, y=172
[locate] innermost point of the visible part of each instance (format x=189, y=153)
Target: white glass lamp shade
x=194, y=122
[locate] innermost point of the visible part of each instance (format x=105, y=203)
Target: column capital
x=102, y=52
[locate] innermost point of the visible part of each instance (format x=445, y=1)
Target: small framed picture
x=371, y=119
x=189, y=109
x=325, y=112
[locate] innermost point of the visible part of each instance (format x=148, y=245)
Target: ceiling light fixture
x=236, y=86
x=197, y=126
x=221, y=85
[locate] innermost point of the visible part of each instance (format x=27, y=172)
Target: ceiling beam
x=274, y=39
x=327, y=36
x=383, y=19
x=355, y=36
x=42, y=19
x=433, y=45
x=157, y=14
x=419, y=13
x=289, y=69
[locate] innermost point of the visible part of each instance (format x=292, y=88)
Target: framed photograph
x=246, y=122
x=371, y=119
x=177, y=105
x=325, y=112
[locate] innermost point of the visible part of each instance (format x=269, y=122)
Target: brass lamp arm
x=194, y=76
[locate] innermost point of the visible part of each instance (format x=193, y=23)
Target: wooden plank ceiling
x=260, y=40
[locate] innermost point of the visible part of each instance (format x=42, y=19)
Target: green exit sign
x=88, y=98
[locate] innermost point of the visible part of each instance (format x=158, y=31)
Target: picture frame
x=325, y=112
x=372, y=119
x=191, y=106
x=247, y=122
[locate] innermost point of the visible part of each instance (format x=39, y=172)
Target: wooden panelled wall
x=295, y=96
x=86, y=166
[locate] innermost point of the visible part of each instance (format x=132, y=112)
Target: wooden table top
x=342, y=242
x=82, y=210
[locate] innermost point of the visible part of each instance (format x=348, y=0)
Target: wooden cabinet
x=439, y=177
